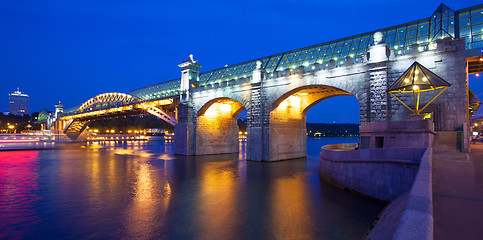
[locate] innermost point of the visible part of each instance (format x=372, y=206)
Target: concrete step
x=446, y=141
x=451, y=156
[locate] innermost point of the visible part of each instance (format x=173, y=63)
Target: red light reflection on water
x=18, y=184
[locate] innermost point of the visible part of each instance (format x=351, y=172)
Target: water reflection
x=150, y=201
x=139, y=190
x=218, y=199
x=290, y=216
x=18, y=192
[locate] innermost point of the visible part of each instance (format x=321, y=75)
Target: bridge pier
x=288, y=134
x=185, y=130
x=258, y=134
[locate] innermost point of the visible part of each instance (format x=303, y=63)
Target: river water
x=140, y=190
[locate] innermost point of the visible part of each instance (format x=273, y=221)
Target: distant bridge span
x=114, y=104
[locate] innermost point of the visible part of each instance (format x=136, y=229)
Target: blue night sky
x=74, y=50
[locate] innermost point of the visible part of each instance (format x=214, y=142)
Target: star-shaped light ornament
x=416, y=80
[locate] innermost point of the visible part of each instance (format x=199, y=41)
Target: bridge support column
x=258, y=120
x=288, y=133
x=185, y=130
x=378, y=76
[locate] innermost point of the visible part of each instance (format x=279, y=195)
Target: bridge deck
x=444, y=22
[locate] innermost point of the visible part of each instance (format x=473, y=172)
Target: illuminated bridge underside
x=475, y=65
x=110, y=105
x=444, y=22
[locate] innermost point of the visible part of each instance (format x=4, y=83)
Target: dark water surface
x=141, y=191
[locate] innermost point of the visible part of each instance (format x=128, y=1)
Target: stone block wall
x=448, y=61
x=185, y=131
x=288, y=138
x=383, y=174
x=216, y=135
x=399, y=134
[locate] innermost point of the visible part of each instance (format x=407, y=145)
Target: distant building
x=19, y=103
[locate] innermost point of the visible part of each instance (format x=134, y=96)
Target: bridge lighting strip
x=19, y=140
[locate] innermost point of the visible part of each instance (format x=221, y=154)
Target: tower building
x=19, y=103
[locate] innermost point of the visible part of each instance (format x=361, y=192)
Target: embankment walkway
x=458, y=194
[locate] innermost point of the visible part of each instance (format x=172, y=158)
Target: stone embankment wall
x=381, y=173
x=411, y=215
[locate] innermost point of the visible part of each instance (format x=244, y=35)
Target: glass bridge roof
x=444, y=22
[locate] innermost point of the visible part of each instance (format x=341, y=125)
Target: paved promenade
x=458, y=194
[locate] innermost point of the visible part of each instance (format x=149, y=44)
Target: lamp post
x=11, y=128
x=416, y=80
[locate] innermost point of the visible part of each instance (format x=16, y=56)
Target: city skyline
x=74, y=51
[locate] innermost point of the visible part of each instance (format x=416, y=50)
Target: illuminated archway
x=109, y=105
x=216, y=127
x=288, y=138
x=108, y=98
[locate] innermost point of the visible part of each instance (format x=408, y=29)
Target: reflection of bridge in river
x=278, y=90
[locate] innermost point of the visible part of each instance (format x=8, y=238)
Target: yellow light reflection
x=291, y=102
x=151, y=199
x=218, y=109
x=218, y=201
x=289, y=213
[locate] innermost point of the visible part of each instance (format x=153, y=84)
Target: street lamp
x=11, y=127
x=416, y=80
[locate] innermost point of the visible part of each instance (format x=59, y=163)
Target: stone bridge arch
x=288, y=119
x=216, y=126
x=353, y=80
x=205, y=98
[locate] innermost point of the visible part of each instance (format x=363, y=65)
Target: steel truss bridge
x=108, y=105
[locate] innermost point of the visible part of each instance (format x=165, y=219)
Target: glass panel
x=401, y=34
x=464, y=32
x=476, y=29
x=476, y=16
x=477, y=38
